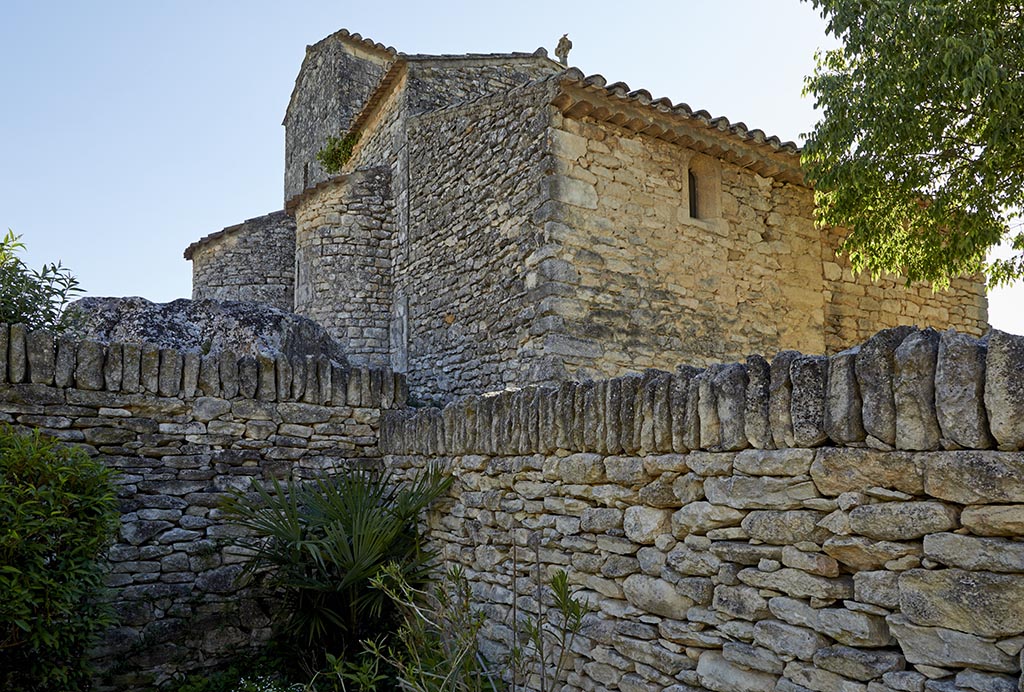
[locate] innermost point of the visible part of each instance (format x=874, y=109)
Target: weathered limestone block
x=798, y=584
x=583, y=467
x=17, y=359
x=40, y=356
x=759, y=492
x=266, y=389
x=678, y=406
x=771, y=462
x=209, y=375
x=787, y=639
x=730, y=385
x=903, y=681
x=686, y=489
x=844, y=422
x=878, y=587
x=628, y=434
x=743, y=602
x=994, y=520
x=811, y=562
x=655, y=596
x=808, y=375
x=938, y=646
x=311, y=388
x=710, y=463
x=892, y=521
x=987, y=682
x=171, y=366
x=852, y=627
x=859, y=553
x=982, y=603
x=960, y=391
x=756, y=418
x=754, y=657
x=229, y=376
x=707, y=410
x=190, y=374
x=1004, y=389
x=64, y=363
x=970, y=552
x=784, y=527
x=644, y=524
x=875, y=373
x=690, y=562
x=716, y=673
x=601, y=519
x=813, y=678
x=980, y=477
x=149, y=369
x=780, y=400
x=917, y=424
x=113, y=367
x=839, y=470
x=700, y=517
x=89, y=365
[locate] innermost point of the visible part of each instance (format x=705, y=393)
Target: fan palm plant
x=322, y=542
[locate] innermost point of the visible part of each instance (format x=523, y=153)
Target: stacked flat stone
x=847, y=523
x=183, y=429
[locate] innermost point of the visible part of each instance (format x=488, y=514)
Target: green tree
x=35, y=298
x=920, y=149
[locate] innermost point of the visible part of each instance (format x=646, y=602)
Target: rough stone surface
x=937, y=646
x=891, y=521
x=205, y=326
x=982, y=603
x=917, y=426
x=875, y=376
x=960, y=390
x=1004, y=395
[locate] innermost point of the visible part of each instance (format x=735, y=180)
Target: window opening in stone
x=692, y=193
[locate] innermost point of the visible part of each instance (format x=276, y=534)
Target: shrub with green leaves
x=58, y=513
x=35, y=298
x=337, y=151
x=322, y=542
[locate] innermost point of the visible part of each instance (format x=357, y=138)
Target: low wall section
x=182, y=429
x=850, y=523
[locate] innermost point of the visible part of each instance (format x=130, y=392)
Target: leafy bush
x=436, y=649
x=58, y=513
x=321, y=543
x=337, y=151
x=36, y=298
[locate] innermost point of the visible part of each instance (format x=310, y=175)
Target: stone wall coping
x=903, y=389
x=42, y=358
x=227, y=230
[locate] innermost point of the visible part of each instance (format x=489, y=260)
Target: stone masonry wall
x=343, y=261
x=253, y=261
x=437, y=81
x=476, y=175
x=336, y=79
x=843, y=524
x=642, y=284
x=182, y=429
x=855, y=307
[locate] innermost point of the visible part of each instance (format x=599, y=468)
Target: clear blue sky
x=130, y=129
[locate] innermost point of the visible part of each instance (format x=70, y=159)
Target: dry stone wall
x=851, y=523
x=183, y=429
x=252, y=262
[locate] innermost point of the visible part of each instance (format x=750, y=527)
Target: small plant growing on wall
x=337, y=151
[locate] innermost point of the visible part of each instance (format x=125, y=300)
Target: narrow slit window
x=692, y=193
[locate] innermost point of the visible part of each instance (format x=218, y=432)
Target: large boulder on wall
x=205, y=326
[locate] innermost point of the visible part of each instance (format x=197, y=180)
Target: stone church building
x=505, y=221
